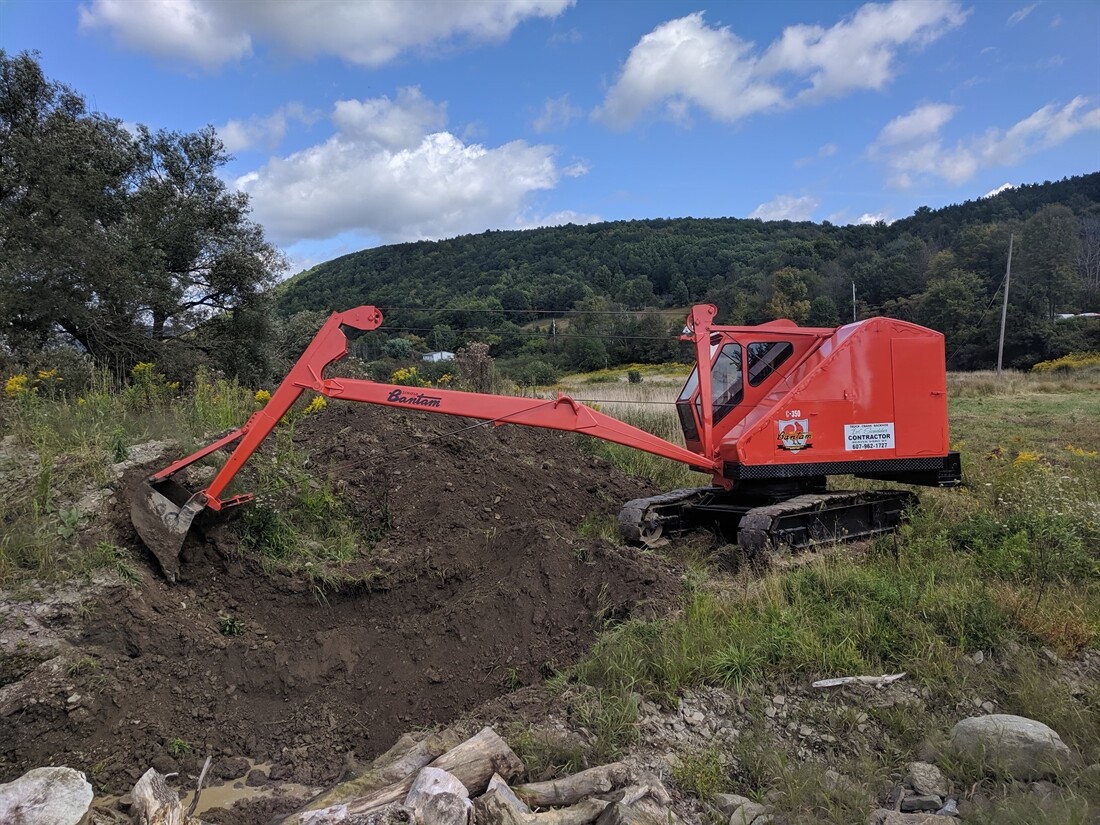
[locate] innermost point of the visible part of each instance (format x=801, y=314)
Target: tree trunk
x=572, y=789
x=473, y=763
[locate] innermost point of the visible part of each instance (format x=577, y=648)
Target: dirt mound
x=483, y=585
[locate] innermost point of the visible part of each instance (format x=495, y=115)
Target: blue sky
x=359, y=122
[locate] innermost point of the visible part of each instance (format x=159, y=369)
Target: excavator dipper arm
x=162, y=511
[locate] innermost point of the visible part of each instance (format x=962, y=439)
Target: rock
x=884, y=816
x=747, y=813
x=921, y=802
x=950, y=808
x=978, y=658
x=926, y=779
x=164, y=764
x=1043, y=788
x=1020, y=747
x=256, y=778
x=837, y=785
x=46, y=796
x=232, y=767
x=727, y=803
x=643, y=812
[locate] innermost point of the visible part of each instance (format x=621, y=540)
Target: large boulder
x=46, y=796
x=1015, y=745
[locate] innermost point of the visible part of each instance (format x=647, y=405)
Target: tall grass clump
x=61, y=440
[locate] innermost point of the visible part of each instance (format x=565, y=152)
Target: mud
x=480, y=586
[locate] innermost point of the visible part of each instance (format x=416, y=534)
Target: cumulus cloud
x=184, y=30
x=556, y=219
x=391, y=124
x=685, y=62
x=786, y=208
x=1004, y=187
x=210, y=33
x=912, y=147
x=264, y=132
x=392, y=172
x=556, y=113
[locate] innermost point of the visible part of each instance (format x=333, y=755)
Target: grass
x=1008, y=565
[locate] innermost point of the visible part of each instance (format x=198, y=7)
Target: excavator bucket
x=162, y=514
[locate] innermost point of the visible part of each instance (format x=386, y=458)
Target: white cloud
x=912, y=146
x=556, y=219
x=871, y=218
x=186, y=30
x=390, y=124
x=211, y=33
x=786, y=208
x=685, y=62
x=264, y=132
x=1018, y=15
x=1004, y=187
x=557, y=113
x=577, y=169
x=390, y=172
x=922, y=122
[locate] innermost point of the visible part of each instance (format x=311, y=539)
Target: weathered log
x=473, y=763
x=498, y=784
x=572, y=789
x=154, y=802
x=494, y=809
x=392, y=814
x=401, y=761
x=438, y=797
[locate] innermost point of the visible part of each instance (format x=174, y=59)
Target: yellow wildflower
x=17, y=385
x=1026, y=457
x=1081, y=452
x=262, y=397
x=316, y=405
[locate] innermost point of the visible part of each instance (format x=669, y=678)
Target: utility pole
x=853, y=302
x=1004, y=308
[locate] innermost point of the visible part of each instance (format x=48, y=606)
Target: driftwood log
x=154, y=802
x=403, y=760
x=494, y=809
x=438, y=797
x=473, y=763
x=572, y=789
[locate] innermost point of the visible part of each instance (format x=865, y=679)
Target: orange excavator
x=769, y=411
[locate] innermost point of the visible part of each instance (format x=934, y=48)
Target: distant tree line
x=549, y=296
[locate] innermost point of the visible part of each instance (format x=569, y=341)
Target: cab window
x=765, y=358
x=683, y=407
x=726, y=384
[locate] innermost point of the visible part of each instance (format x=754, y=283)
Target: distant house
x=442, y=355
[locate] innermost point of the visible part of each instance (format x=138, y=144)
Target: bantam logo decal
x=794, y=434
x=418, y=400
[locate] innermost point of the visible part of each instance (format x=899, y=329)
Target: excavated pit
x=481, y=584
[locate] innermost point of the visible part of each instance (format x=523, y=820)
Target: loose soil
x=480, y=585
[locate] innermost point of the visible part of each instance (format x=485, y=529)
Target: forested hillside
x=943, y=268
